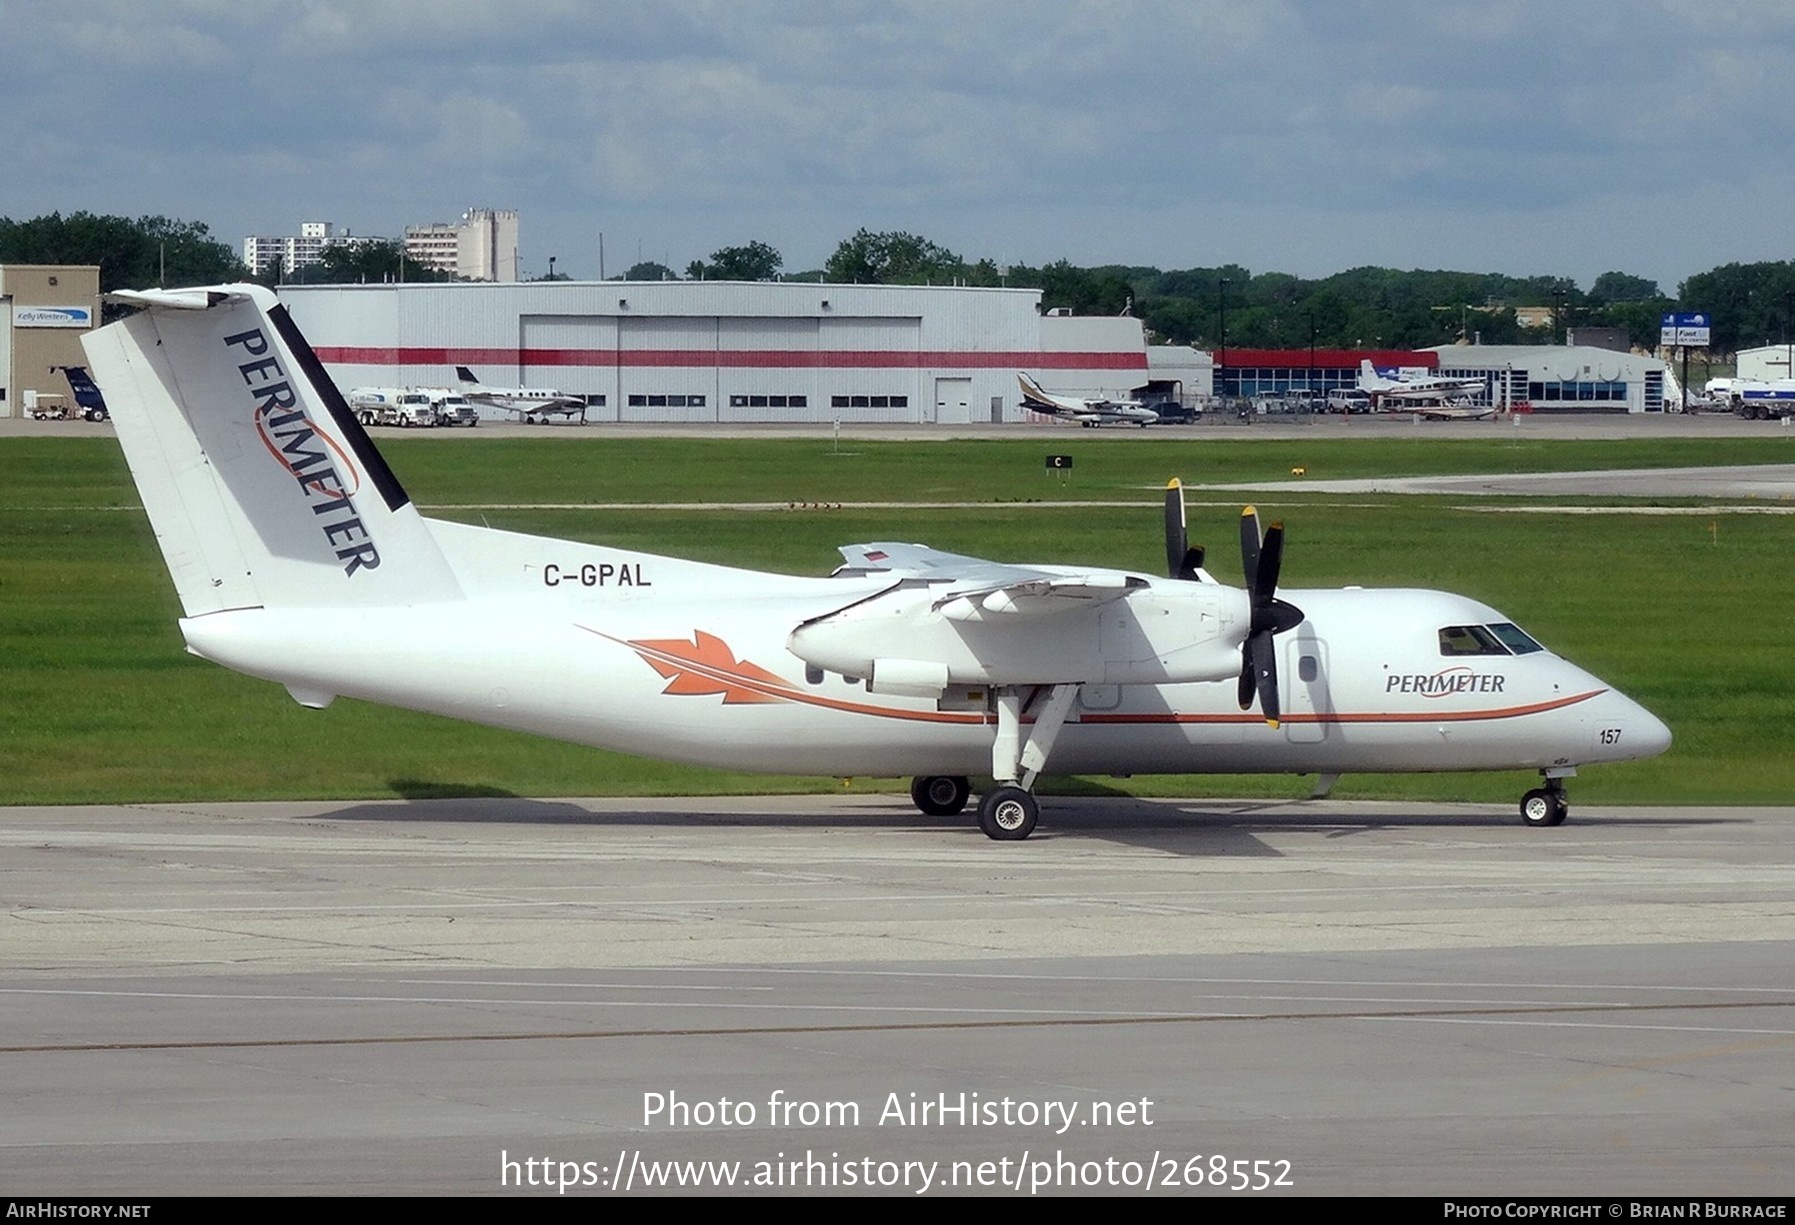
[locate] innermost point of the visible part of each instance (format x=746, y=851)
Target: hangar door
x=953, y=401
x=667, y=368
x=571, y=353
x=868, y=369
x=766, y=368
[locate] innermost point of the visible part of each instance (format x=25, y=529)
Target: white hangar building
x=726, y=351
x=1560, y=378
x=1766, y=362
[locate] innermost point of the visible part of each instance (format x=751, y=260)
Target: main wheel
x=1008, y=814
x=940, y=795
x=1542, y=808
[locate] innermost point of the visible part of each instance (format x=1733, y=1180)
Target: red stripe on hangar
x=1330, y=359
x=739, y=359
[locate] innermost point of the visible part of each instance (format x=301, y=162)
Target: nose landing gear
x=1546, y=806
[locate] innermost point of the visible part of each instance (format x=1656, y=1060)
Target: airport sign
x=1686, y=328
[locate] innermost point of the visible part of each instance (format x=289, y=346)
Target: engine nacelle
x=1156, y=635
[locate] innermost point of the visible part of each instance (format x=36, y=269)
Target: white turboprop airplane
x=531, y=404
x=1086, y=412
x=299, y=559
x=1415, y=387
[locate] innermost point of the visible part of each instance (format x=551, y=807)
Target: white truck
x=401, y=406
x=452, y=408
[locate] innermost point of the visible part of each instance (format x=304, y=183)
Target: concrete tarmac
x=480, y=996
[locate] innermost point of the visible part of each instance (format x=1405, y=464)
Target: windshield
x=1502, y=638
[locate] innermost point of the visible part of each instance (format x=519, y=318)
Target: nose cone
x=1653, y=733
x=1625, y=731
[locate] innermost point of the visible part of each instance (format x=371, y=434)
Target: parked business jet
x=1097, y=411
x=531, y=404
x=298, y=558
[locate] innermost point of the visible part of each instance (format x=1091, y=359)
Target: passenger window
x=1469, y=640
x=1308, y=668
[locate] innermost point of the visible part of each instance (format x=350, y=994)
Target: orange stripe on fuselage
x=779, y=689
x=1417, y=716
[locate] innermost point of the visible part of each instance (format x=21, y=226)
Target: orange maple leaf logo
x=706, y=665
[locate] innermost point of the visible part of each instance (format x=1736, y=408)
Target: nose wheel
x=1545, y=806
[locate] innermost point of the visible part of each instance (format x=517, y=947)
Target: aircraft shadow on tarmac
x=1173, y=826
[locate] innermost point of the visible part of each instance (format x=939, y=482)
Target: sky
x=1556, y=137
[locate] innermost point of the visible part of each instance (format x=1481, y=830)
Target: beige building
x=482, y=246
x=45, y=310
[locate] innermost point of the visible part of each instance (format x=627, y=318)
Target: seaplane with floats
x=1427, y=395
x=1092, y=411
x=298, y=558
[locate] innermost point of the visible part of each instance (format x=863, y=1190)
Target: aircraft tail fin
x=1032, y=395
x=261, y=486
x=87, y=395
x=466, y=376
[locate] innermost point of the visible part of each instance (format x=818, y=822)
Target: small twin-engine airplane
x=531, y=404
x=1086, y=412
x=298, y=558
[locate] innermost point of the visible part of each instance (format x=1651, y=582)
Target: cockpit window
x=1515, y=638
x=1470, y=640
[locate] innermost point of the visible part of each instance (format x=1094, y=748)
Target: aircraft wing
x=971, y=586
x=947, y=619
x=920, y=561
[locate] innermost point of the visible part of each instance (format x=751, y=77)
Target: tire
x=1008, y=814
x=940, y=795
x=1543, y=809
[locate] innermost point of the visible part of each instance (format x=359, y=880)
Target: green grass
x=595, y=467
x=100, y=704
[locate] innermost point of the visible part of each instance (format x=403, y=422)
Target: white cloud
x=1505, y=130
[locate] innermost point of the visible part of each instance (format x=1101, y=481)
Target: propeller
x=1261, y=556
x=1182, y=560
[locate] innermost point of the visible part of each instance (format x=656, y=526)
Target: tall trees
x=754, y=261
x=1751, y=304
x=649, y=270
x=131, y=254
x=891, y=258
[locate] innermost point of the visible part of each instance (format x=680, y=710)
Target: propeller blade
x=1271, y=560
x=1261, y=559
x=1176, y=542
x=1249, y=551
x=1193, y=562
x=1265, y=667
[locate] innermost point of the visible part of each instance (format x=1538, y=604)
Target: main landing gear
x=940, y=795
x=1546, y=806
x=1006, y=812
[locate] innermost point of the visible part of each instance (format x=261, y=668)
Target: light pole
x=551, y=267
x=1221, y=367
x=1309, y=380
x=1788, y=337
